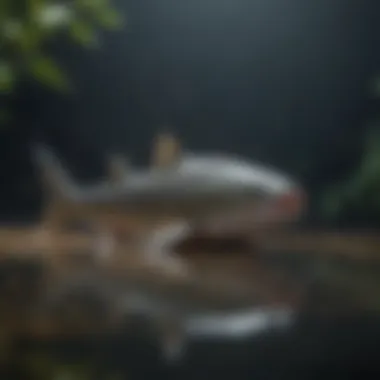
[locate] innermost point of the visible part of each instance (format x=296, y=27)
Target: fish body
x=218, y=192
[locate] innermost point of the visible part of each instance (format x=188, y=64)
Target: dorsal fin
x=166, y=150
x=118, y=168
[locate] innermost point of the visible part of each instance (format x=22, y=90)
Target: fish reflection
x=178, y=324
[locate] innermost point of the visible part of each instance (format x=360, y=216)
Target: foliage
x=361, y=192
x=362, y=189
x=28, y=26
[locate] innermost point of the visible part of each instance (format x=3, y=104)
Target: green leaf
x=83, y=33
x=53, y=16
x=30, y=39
x=110, y=18
x=48, y=73
x=12, y=29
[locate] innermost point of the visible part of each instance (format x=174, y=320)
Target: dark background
x=283, y=81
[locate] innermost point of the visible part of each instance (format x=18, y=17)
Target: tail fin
x=118, y=168
x=55, y=178
x=166, y=150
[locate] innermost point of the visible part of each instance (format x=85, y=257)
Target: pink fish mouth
x=283, y=209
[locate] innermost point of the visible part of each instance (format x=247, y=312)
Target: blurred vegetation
x=360, y=193
x=28, y=27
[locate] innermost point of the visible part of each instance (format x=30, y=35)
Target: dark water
x=317, y=348
x=341, y=343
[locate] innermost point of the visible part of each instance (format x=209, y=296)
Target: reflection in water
x=239, y=324
x=203, y=322
x=175, y=322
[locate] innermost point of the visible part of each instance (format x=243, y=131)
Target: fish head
x=254, y=195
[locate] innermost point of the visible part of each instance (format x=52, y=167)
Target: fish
x=180, y=192
x=281, y=200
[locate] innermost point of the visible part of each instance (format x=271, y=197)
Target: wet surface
x=335, y=300
x=225, y=272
